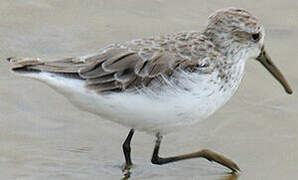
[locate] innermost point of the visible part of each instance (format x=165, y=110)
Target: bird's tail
x=23, y=65
x=31, y=65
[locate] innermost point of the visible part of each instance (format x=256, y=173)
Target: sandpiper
x=164, y=83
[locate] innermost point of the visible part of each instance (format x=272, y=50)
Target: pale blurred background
x=42, y=136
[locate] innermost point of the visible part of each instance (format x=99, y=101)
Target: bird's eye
x=256, y=36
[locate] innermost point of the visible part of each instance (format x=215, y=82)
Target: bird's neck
x=222, y=41
x=232, y=71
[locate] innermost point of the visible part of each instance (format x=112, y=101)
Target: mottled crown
x=233, y=19
x=234, y=26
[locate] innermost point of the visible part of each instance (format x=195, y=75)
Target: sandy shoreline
x=43, y=137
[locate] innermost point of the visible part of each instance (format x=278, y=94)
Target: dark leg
x=205, y=153
x=126, y=149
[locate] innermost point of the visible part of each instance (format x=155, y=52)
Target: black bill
x=265, y=59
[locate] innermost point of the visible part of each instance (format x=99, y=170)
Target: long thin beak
x=265, y=59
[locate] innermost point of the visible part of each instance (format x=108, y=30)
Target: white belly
x=148, y=112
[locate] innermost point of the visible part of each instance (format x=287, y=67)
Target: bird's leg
x=205, y=153
x=126, y=149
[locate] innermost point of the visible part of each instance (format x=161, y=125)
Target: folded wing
x=114, y=70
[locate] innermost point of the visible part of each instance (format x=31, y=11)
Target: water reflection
x=36, y=143
x=230, y=176
x=126, y=174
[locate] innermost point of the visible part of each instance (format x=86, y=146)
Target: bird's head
x=236, y=29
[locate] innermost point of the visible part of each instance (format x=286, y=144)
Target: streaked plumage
x=199, y=70
x=164, y=83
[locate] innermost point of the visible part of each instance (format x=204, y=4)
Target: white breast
x=150, y=111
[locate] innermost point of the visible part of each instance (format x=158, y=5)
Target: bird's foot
x=212, y=156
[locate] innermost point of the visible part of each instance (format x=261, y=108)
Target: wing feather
x=131, y=65
x=123, y=69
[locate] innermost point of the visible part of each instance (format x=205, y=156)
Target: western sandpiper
x=161, y=84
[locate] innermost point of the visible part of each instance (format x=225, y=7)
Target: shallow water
x=42, y=136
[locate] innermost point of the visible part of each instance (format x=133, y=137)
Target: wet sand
x=42, y=136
